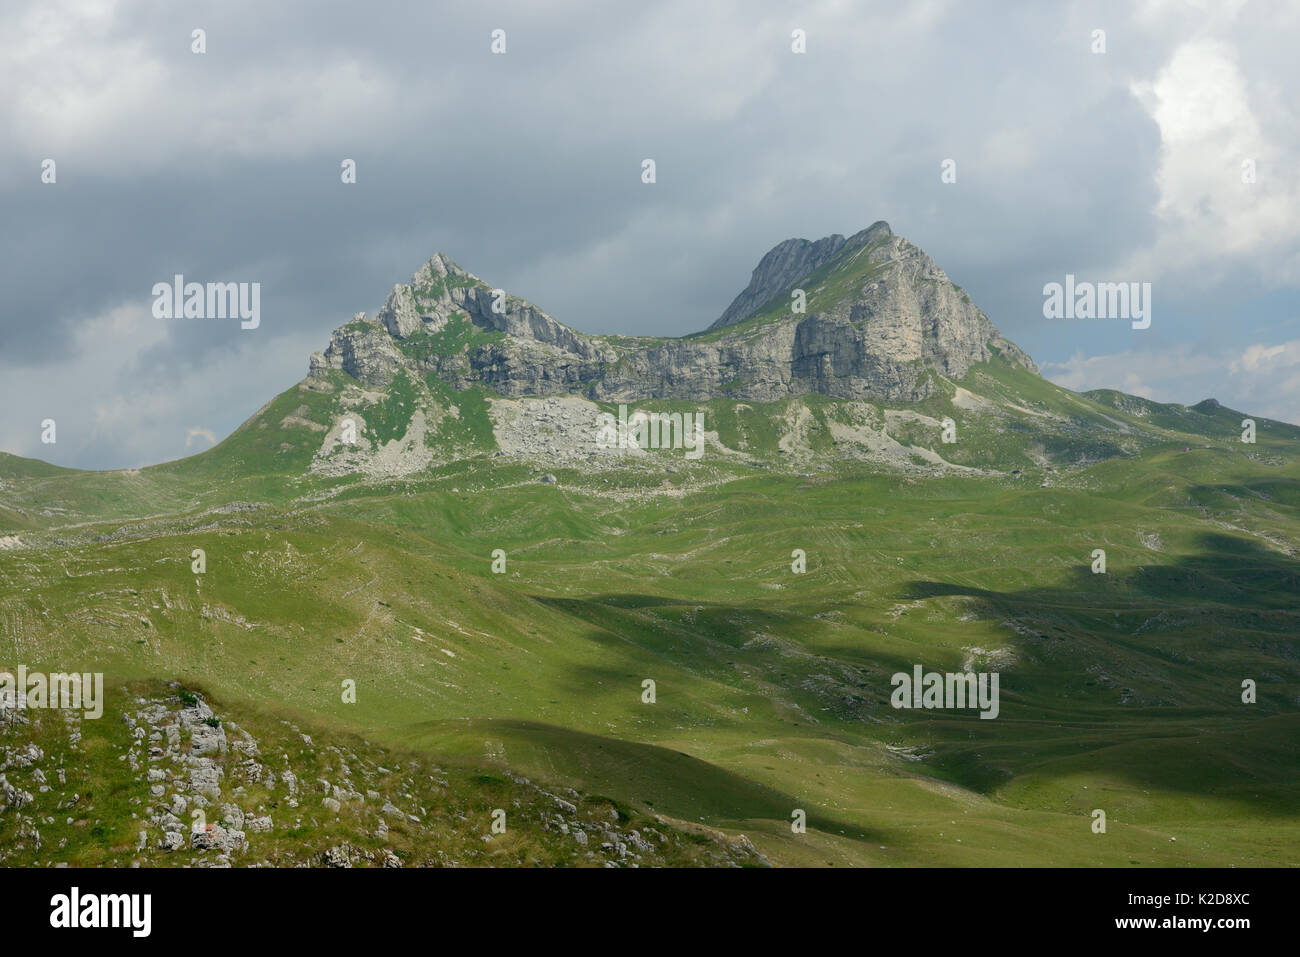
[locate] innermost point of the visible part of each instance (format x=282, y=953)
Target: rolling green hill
x=1120, y=691
x=480, y=687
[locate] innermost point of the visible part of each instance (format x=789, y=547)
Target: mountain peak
x=439, y=266
x=877, y=230
x=790, y=261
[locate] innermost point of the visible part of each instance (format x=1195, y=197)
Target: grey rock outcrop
x=882, y=317
x=363, y=349
x=398, y=313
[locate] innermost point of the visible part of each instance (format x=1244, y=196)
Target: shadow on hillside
x=1231, y=570
x=1135, y=673
x=706, y=667
x=746, y=648
x=1277, y=492
x=631, y=772
x=1143, y=666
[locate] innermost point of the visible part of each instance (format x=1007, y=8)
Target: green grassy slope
x=1119, y=691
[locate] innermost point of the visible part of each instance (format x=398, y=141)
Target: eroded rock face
x=876, y=334
x=363, y=349
x=398, y=314
x=784, y=265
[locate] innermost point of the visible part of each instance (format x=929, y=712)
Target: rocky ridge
x=881, y=318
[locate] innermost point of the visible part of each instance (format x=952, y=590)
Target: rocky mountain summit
x=880, y=319
x=785, y=264
x=841, y=353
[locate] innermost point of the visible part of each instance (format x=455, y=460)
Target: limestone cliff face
x=880, y=318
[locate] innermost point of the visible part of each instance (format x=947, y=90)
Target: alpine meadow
x=418, y=610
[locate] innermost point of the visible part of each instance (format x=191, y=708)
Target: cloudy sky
x=525, y=168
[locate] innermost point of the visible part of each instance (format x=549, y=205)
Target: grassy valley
x=1121, y=691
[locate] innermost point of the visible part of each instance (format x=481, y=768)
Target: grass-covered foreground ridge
x=525, y=691
x=164, y=780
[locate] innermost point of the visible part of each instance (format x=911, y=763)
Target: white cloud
x=126, y=409
x=1260, y=378
x=194, y=432
x=1210, y=222
x=1257, y=357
